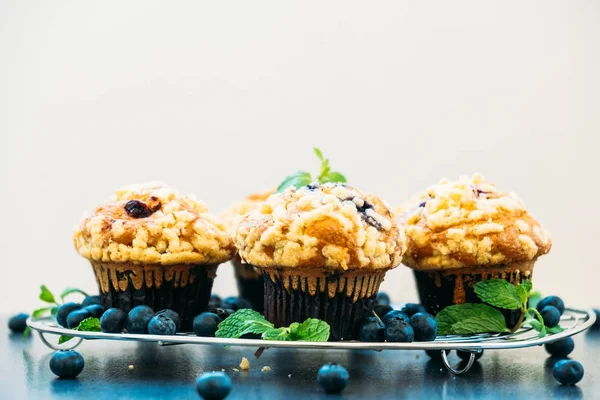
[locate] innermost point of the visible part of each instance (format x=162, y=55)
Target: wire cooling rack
x=573, y=321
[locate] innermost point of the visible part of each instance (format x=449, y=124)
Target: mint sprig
x=485, y=318
x=303, y=178
x=247, y=321
x=90, y=324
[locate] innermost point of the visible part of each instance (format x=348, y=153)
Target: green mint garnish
x=88, y=325
x=69, y=291
x=46, y=295
x=500, y=293
x=534, y=298
x=466, y=319
x=248, y=321
x=302, y=178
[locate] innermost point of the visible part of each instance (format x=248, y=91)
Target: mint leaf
x=69, y=291
x=242, y=322
x=90, y=324
x=297, y=180
x=39, y=312
x=46, y=295
x=554, y=329
x=311, y=330
x=534, y=298
x=523, y=290
x=319, y=154
x=64, y=338
x=499, y=293
x=334, y=177
x=26, y=332
x=538, y=326
x=465, y=319
x=277, y=334
x=54, y=311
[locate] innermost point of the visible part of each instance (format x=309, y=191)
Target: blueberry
x=205, y=324
x=214, y=302
x=436, y=354
x=554, y=301
x=89, y=300
x=551, y=316
x=399, y=331
x=113, y=321
x=567, y=372
x=222, y=313
x=66, y=364
x=161, y=325
x=333, y=377
x=213, y=385
x=75, y=317
x=382, y=309
x=411, y=309
x=382, y=298
x=95, y=310
x=64, y=311
x=173, y=316
x=138, y=318
x=465, y=355
x=395, y=314
x=560, y=348
x=18, y=323
x=139, y=209
x=425, y=327
x=235, y=303
x=371, y=331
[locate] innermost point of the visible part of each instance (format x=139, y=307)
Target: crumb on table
x=131, y=367
x=266, y=368
x=244, y=364
x=236, y=370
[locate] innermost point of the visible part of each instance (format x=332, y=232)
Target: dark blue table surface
x=170, y=371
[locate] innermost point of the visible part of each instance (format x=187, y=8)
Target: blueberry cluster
x=206, y=324
x=70, y=315
x=411, y=323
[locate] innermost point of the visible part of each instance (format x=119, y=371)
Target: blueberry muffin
x=150, y=245
x=323, y=250
x=249, y=280
x=459, y=233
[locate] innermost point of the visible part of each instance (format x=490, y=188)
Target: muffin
x=323, y=251
x=249, y=280
x=150, y=245
x=459, y=233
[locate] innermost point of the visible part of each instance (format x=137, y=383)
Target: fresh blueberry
x=206, y=324
x=18, y=323
x=382, y=298
x=66, y=364
x=551, y=316
x=64, y=311
x=333, y=377
x=95, y=310
x=214, y=302
x=399, y=331
x=425, y=327
x=213, y=385
x=161, y=325
x=89, y=300
x=138, y=318
x=75, y=317
x=395, y=314
x=371, y=331
x=173, y=316
x=113, y=321
x=597, y=322
x=235, y=303
x=436, y=354
x=554, y=301
x=465, y=355
x=567, y=372
x=411, y=309
x=222, y=313
x=560, y=348
x=382, y=309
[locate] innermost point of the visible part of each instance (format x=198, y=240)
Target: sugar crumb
x=235, y=370
x=131, y=367
x=266, y=368
x=245, y=364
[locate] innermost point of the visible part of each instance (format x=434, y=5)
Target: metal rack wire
x=573, y=321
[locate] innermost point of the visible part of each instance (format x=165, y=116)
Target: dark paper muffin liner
x=439, y=289
x=183, y=288
x=342, y=299
x=249, y=283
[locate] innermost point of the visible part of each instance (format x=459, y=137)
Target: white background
x=225, y=98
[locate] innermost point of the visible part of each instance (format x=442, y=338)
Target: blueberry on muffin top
x=153, y=224
x=469, y=223
x=328, y=225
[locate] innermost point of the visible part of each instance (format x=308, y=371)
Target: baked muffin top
x=469, y=223
x=331, y=225
x=236, y=211
x=152, y=223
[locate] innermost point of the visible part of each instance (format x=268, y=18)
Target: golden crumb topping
x=234, y=213
x=153, y=224
x=470, y=223
x=321, y=225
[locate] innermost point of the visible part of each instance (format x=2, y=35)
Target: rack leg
x=455, y=371
x=71, y=344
